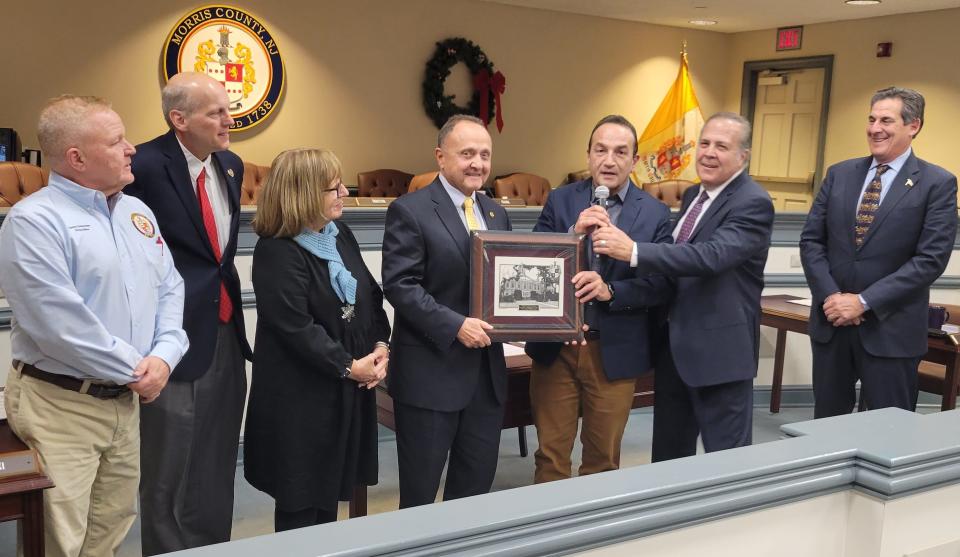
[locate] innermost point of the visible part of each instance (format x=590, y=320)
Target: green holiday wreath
x=450, y=52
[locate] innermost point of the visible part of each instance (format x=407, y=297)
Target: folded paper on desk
x=802, y=302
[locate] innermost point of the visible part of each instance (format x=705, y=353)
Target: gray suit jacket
x=906, y=248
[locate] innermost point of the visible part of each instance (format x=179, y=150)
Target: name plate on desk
x=19, y=463
x=374, y=201
x=510, y=201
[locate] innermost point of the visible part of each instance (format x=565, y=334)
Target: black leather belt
x=95, y=390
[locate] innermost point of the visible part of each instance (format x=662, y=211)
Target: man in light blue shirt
x=98, y=308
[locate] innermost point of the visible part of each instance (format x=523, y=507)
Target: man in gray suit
x=704, y=375
x=881, y=230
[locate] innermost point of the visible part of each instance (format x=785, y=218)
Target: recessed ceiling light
x=703, y=21
x=862, y=2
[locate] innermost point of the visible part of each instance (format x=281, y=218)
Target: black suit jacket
x=162, y=181
x=426, y=278
x=906, y=248
x=714, y=318
x=624, y=323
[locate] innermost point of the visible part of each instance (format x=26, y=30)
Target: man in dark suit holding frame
x=191, y=433
x=881, y=230
x=704, y=375
x=447, y=379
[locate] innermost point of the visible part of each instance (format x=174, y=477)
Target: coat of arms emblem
x=233, y=47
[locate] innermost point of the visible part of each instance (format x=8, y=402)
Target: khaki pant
x=90, y=448
x=575, y=382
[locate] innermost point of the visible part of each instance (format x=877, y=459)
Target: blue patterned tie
x=869, y=205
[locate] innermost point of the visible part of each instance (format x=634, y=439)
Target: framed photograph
x=520, y=284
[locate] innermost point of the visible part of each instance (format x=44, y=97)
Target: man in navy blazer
x=447, y=379
x=190, y=434
x=879, y=233
x=599, y=377
x=704, y=380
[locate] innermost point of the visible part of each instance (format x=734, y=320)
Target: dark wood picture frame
x=489, y=245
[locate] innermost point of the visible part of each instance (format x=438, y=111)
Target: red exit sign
x=789, y=38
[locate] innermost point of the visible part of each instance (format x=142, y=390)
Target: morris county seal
x=232, y=46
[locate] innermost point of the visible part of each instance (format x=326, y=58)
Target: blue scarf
x=323, y=244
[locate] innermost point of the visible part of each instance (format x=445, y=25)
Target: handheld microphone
x=600, y=195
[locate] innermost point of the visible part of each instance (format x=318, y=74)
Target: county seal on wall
x=232, y=46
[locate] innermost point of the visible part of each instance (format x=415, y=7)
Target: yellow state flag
x=668, y=145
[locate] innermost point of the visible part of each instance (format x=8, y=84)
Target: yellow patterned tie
x=472, y=223
x=869, y=205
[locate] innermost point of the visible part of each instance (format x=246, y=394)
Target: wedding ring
x=603, y=242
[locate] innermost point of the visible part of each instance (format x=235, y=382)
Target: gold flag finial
x=683, y=50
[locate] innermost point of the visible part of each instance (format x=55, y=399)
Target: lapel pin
x=230, y=172
x=491, y=214
x=909, y=183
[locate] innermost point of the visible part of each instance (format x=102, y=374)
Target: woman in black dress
x=321, y=346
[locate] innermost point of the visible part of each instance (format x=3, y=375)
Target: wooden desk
x=776, y=311
x=21, y=497
x=517, y=412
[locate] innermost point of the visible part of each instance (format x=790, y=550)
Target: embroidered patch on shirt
x=143, y=224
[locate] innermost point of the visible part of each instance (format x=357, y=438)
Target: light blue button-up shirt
x=93, y=290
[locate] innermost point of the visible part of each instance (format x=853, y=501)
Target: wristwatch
x=611, y=291
x=346, y=370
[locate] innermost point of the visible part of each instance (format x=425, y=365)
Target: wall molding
x=887, y=454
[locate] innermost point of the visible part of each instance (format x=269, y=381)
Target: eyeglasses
x=337, y=189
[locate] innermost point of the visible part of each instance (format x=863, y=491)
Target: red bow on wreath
x=485, y=83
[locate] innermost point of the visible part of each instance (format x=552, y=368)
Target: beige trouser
x=90, y=448
x=575, y=382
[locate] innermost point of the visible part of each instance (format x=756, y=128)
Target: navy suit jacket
x=624, y=322
x=714, y=319
x=162, y=181
x=906, y=248
x=426, y=278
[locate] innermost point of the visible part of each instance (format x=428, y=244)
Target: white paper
x=802, y=302
x=510, y=349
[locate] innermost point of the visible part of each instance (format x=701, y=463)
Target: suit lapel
x=713, y=211
x=631, y=207
x=491, y=213
x=851, y=196
x=229, y=175
x=898, y=189
x=183, y=186
x=450, y=218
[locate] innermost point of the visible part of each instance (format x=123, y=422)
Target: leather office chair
x=668, y=191
x=18, y=180
x=531, y=188
x=253, y=177
x=421, y=181
x=577, y=176
x=385, y=182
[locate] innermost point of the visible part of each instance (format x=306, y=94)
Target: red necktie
x=226, y=306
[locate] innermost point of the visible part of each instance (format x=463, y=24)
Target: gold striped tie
x=472, y=223
x=869, y=205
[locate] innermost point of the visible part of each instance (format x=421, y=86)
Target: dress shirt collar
x=456, y=195
x=712, y=194
x=195, y=165
x=81, y=195
x=894, y=166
